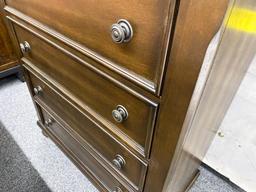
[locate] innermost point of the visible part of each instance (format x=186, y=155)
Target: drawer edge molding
x=89, y=113
x=81, y=165
x=97, y=156
x=50, y=111
x=85, y=170
x=139, y=80
x=103, y=74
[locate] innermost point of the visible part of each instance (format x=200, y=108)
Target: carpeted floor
x=211, y=181
x=17, y=173
x=30, y=162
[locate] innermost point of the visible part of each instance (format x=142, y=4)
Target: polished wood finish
x=8, y=57
x=187, y=54
x=85, y=159
x=86, y=86
x=92, y=132
x=94, y=66
x=217, y=85
x=84, y=75
x=87, y=26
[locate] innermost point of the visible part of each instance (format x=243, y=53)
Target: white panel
x=233, y=152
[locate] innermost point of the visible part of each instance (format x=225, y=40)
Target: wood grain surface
x=88, y=25
x=202, y=20
x=93, y=91
x=8, y=57
x=154, y=132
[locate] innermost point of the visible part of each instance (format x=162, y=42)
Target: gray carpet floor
x=30, y=162
x=211, y=181
x=17, y=173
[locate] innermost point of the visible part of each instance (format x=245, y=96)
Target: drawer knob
x=120, y=114
x=121, y=32
x=119, y=162
x=38, y=90
x=48, y=122
x=25, y=47
x=117, y=189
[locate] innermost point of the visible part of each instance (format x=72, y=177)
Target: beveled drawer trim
x=99, y=72
x=99, y=157
x=86, y=147
x=139, y=80
x=84, y=169
x=89, y=113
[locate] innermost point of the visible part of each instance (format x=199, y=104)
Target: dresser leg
x=20, y=76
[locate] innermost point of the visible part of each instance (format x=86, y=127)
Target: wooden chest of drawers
x=8, y=56
x=112, y=81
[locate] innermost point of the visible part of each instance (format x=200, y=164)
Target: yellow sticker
x=243, y=20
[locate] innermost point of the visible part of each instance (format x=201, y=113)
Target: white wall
x=233, y=152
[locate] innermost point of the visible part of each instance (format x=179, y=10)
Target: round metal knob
x=120, y=114
x=25, y=47
x=117, y=189
x=121, y=32
x=48, y=122
x=119, y=162
x=38, y=90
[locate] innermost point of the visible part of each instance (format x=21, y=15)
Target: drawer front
x=132, y=168
x=94, y=92
x=81, y=156
x=88, y=24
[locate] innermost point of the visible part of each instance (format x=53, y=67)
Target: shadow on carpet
x=16, y=172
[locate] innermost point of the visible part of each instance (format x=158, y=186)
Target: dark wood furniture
x=112, y=81
x=8, y=58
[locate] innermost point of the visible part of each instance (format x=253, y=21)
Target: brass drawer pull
x=37, y=90
x=121, y=32
x=119, y=162
x=120, y=114
x=49, y=122
x=25, y=47
x=117, y=189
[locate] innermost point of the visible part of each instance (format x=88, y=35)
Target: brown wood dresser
x=9, y=62
x=7, y=57
x=112, y=81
